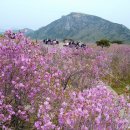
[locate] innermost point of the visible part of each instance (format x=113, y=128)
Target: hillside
x=82, y=27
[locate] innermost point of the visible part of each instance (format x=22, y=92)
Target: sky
x=18, y=14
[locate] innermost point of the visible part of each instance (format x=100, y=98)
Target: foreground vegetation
x=62, y=88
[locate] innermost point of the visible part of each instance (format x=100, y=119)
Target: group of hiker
x=75, y=44
x=50, y=41
x=70, y=44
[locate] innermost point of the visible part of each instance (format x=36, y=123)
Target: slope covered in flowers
x=56, y=88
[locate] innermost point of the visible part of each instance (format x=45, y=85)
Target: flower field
x=60, y=88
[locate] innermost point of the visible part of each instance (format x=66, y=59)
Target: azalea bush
x=93, y=109
x=55, y=88
x=119, y=67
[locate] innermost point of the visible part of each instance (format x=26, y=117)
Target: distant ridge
x=83, y=27
x=26, y=31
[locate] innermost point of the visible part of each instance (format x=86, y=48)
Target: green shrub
x=103, y=43
x=117, y=41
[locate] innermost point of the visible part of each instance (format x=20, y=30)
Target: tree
x=117, y=41
x=103, y=43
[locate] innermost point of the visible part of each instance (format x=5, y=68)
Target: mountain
x=25, y=30
x=83, y=27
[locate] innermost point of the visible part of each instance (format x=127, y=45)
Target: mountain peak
x=76, y=13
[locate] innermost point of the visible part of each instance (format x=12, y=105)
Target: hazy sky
x=37, y=13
